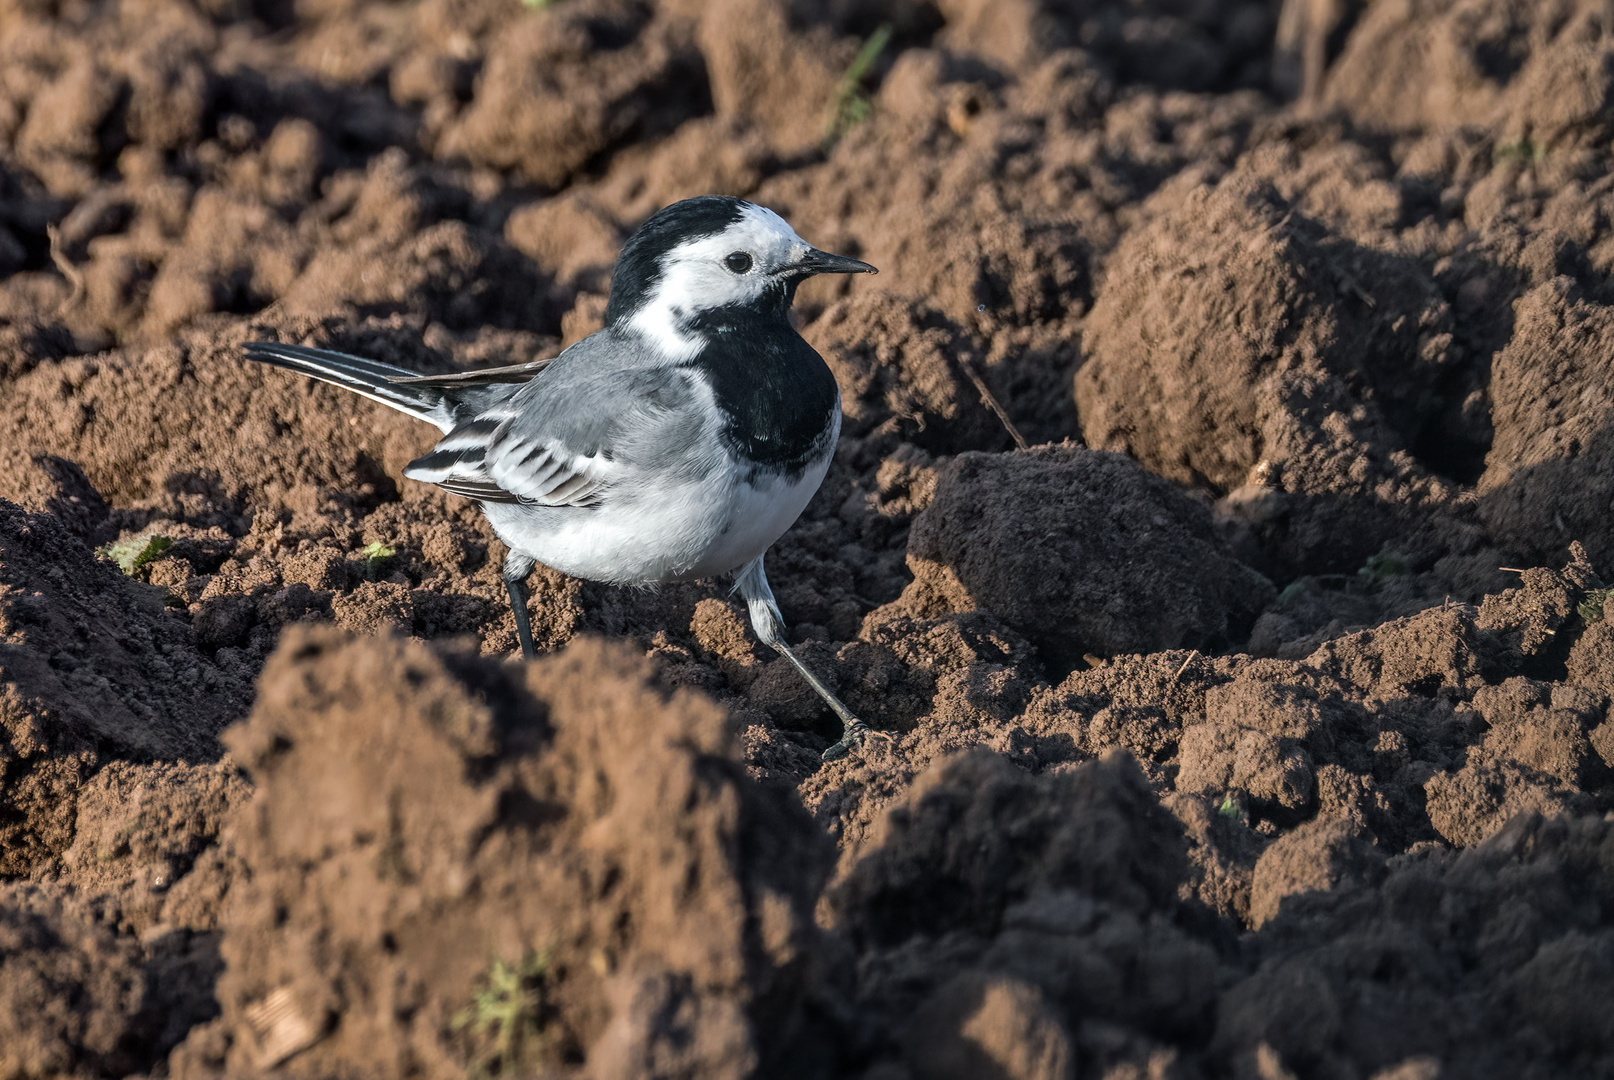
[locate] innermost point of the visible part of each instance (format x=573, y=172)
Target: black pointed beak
x=822, y=262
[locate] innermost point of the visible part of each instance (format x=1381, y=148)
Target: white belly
x=689, y=529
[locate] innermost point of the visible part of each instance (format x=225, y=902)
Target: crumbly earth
x=1222, y=532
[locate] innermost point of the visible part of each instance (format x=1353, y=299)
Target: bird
x=676, y=443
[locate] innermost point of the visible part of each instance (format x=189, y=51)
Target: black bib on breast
x=777, y=395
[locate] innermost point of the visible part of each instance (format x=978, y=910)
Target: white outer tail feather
x=367, y=378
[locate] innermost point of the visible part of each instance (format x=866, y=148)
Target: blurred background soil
x=1248, y=679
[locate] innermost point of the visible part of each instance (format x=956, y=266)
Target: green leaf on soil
x=1591, y=608
x=1522, y=151
x=136, y=553
x=375, y=556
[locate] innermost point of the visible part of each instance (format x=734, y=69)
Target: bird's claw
x=853, y=736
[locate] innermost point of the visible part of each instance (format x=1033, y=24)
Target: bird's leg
x=516, y=569
x=769, y=625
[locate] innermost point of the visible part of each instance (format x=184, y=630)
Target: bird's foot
x=853, y=737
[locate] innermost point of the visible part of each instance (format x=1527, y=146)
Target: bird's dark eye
x=738, y=261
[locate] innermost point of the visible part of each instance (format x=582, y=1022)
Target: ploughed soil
x=1222, y=530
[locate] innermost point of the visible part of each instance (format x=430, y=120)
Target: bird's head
x=707, y=261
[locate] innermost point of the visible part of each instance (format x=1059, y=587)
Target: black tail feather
x=370, y=378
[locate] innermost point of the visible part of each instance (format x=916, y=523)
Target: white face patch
x=696, y=276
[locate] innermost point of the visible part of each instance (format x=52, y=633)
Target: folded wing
x=565, y=438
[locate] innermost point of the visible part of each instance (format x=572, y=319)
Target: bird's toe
x=854, y=736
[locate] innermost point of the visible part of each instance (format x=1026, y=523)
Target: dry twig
x=992, y=403
x=74, y=276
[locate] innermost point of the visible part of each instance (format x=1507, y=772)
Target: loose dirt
x=1251, y=723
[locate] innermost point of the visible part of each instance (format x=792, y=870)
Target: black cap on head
x=639, y=262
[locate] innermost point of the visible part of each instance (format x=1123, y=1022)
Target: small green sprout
x=536, y=5
x=1381, y=567
x=1522, y=151
x=1229, y=807
x=850, y=105
x=509, y=1003
x=1294, y=590
x=136, y=553
x=375, y=557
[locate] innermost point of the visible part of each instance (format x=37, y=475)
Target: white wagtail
x=679, y=442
